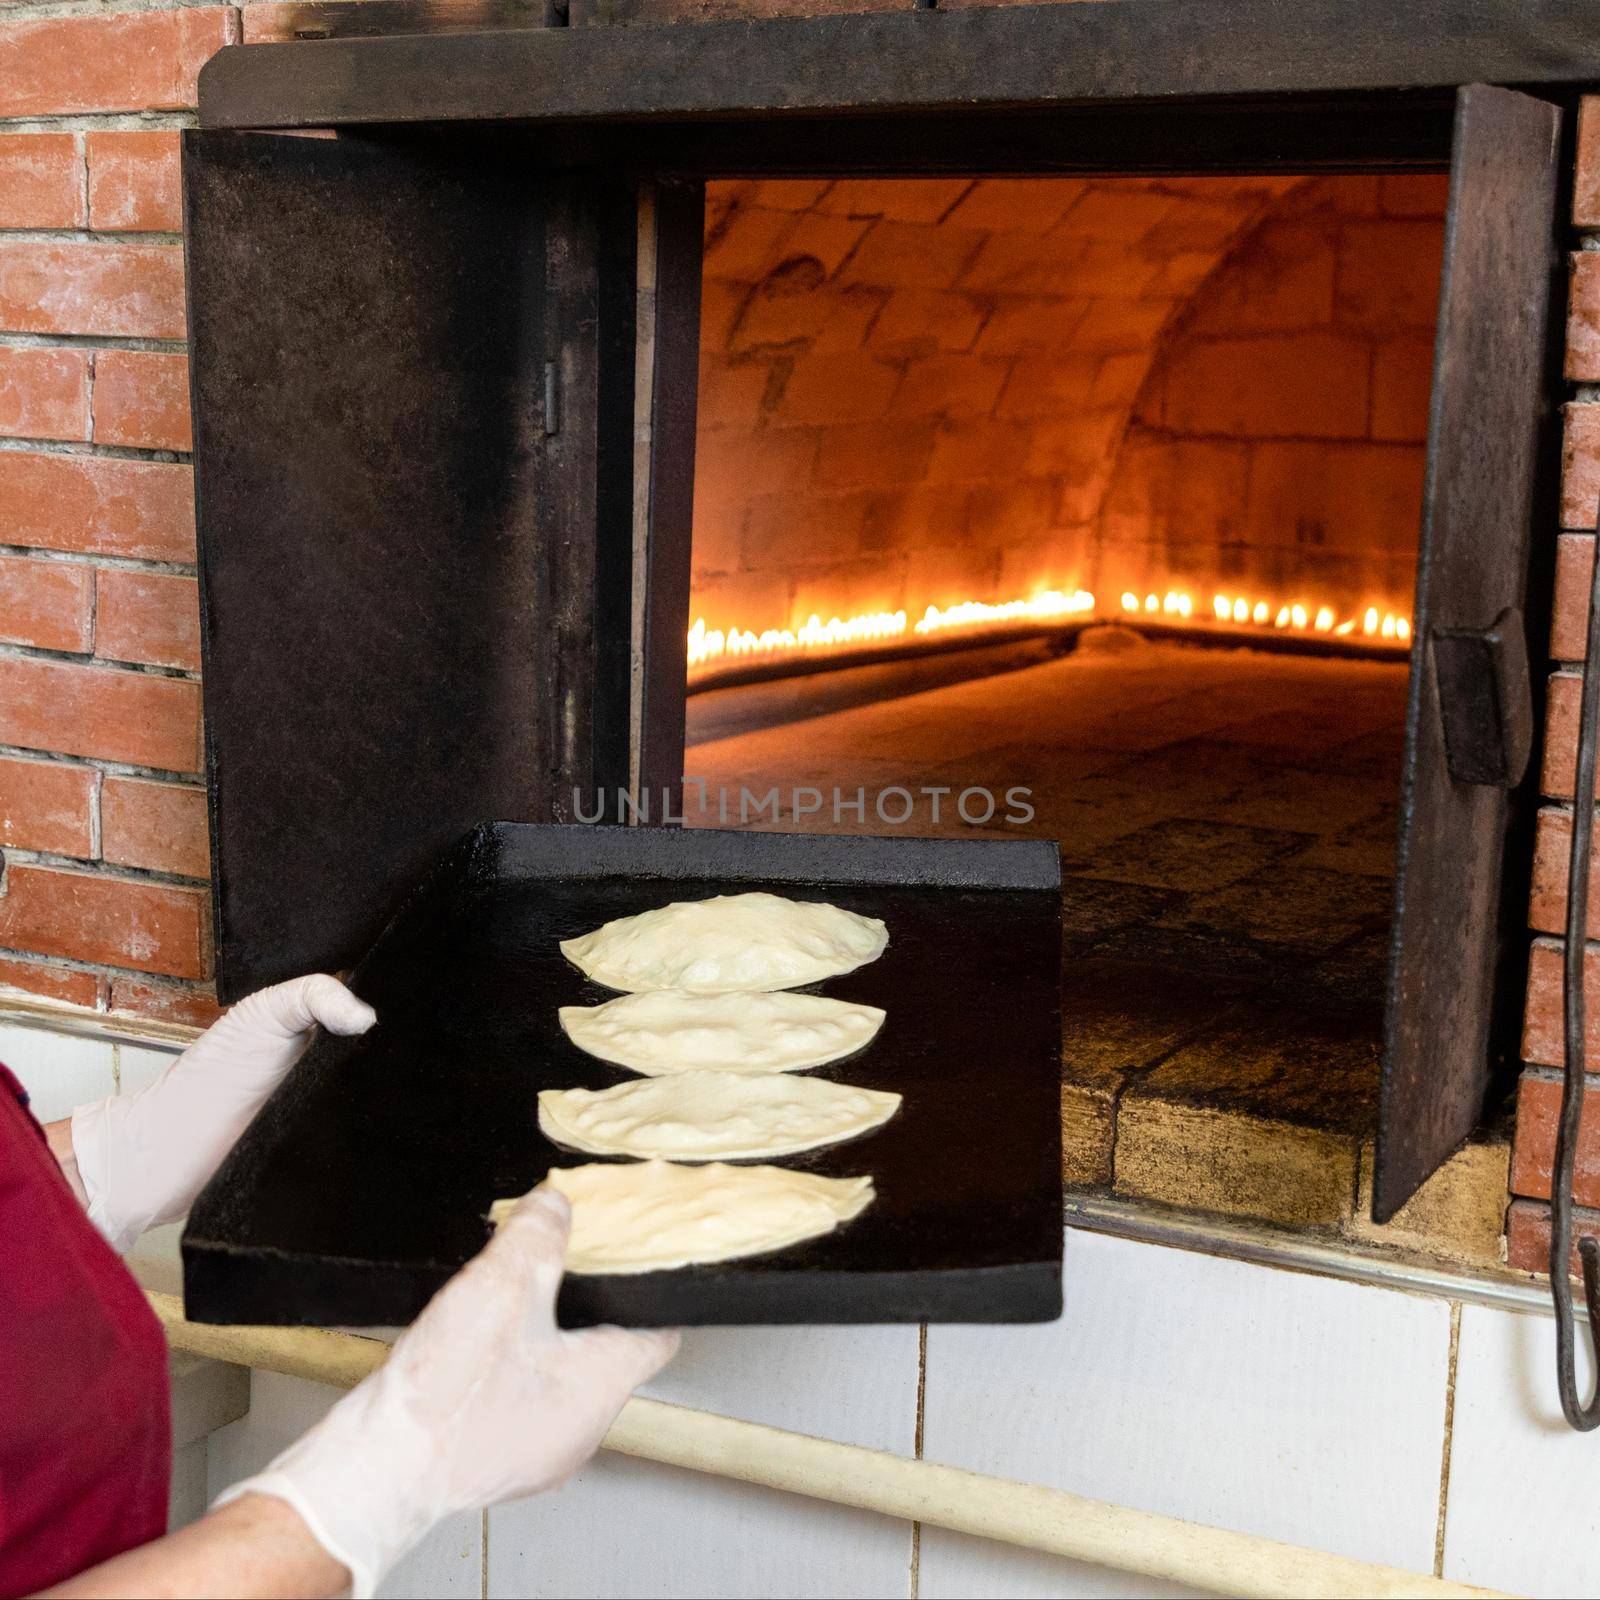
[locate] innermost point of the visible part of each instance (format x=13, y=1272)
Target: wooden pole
x=1029, y=1515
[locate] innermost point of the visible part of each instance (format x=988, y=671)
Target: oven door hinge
x=552, y=398
x=1485, y=700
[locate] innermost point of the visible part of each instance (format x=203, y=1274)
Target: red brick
x=1032, y=322
x=54, y=983
x=133, y=182
x=1528, y=1235
x=950, y=386
x=746, y=244
x=41, y=181
x=1561, y=735
x=921, y=321
x=915, y=200
x=105, y=920
x=1402, y=387
x=1542, y=1044
x=160, y=826
x=142, y=398
x=127, y=61
x=1294, y=386
x=1586, y=188
x=877, y=455
x=1569, y=626
x=97, y=505
x=1547, y=902
x=1369, y=289
x=1117, y=324
x=45, y=604
x=1583, y=317
x=1580, y=466
x=733, y=394
x=118, y=291
x=46, y=805
x=1533, y=1153
x=44, y=394
x=820, y=319
x=136, y=717
x=1414, y=194
x=902, y=255
x=828, y=241
x=148, y=617
x=837, y=388
x=1024, y=205
x=196, y=1008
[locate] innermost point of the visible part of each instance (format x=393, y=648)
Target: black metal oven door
x=1458, y=947
x=413, y=393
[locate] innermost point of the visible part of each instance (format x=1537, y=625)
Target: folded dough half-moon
x=663, y=1030
x=651, y=1216
x=727, y=944
x=712, y=1116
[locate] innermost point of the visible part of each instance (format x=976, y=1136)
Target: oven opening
x=1088, y=510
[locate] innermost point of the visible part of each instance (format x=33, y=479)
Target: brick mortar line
x=1548, y=1074
x=132, y=121
x=1451, y=1368
x=55, y=10
x=165, y=238
x=80, y=558
x=104, y=452
x=12, y=340
x=146, y=669
x=106, y=871
x=107, y=768
x=105, y=969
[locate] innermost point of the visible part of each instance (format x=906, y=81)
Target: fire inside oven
x=1086, y=510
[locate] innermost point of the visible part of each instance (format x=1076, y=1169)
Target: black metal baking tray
x=364, y=1182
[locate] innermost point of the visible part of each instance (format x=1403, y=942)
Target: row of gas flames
x=711, y=648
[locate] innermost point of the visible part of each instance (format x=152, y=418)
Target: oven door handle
x=1485, y=700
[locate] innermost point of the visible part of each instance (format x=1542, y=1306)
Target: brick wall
x=918, y=393
x=102, y=814
x=911, y=392
x=1539, y=1096
x=1278, y=443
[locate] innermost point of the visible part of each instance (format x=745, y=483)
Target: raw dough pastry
x=727, y=944
x=650, y=1216
x=667, y=1031
x=711, y=1116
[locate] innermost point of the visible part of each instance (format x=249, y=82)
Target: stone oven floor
x=1227, y=827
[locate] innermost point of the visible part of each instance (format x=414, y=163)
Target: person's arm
x=58, y=1135
x=140, y=1159
x=255, y=1548
x=483, y=1399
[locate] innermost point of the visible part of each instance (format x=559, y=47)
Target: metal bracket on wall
x=1574, y=1054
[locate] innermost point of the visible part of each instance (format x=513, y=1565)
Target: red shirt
x=85, y=1424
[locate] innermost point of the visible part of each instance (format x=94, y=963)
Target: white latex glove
x=143, y=1157
x=483, y=1399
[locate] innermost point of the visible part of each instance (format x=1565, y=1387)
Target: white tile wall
x=630, y=1528
x=1291, y=1406
x=58, y=1070
x=138, y=1065
x=1522, y=1511
x=448, y=1562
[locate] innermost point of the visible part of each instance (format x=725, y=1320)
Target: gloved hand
x=143, y=1157
x=483, y=1399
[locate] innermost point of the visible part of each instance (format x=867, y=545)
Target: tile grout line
x=483, y=1554
x=915, y=1575
x=1449, y=1437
